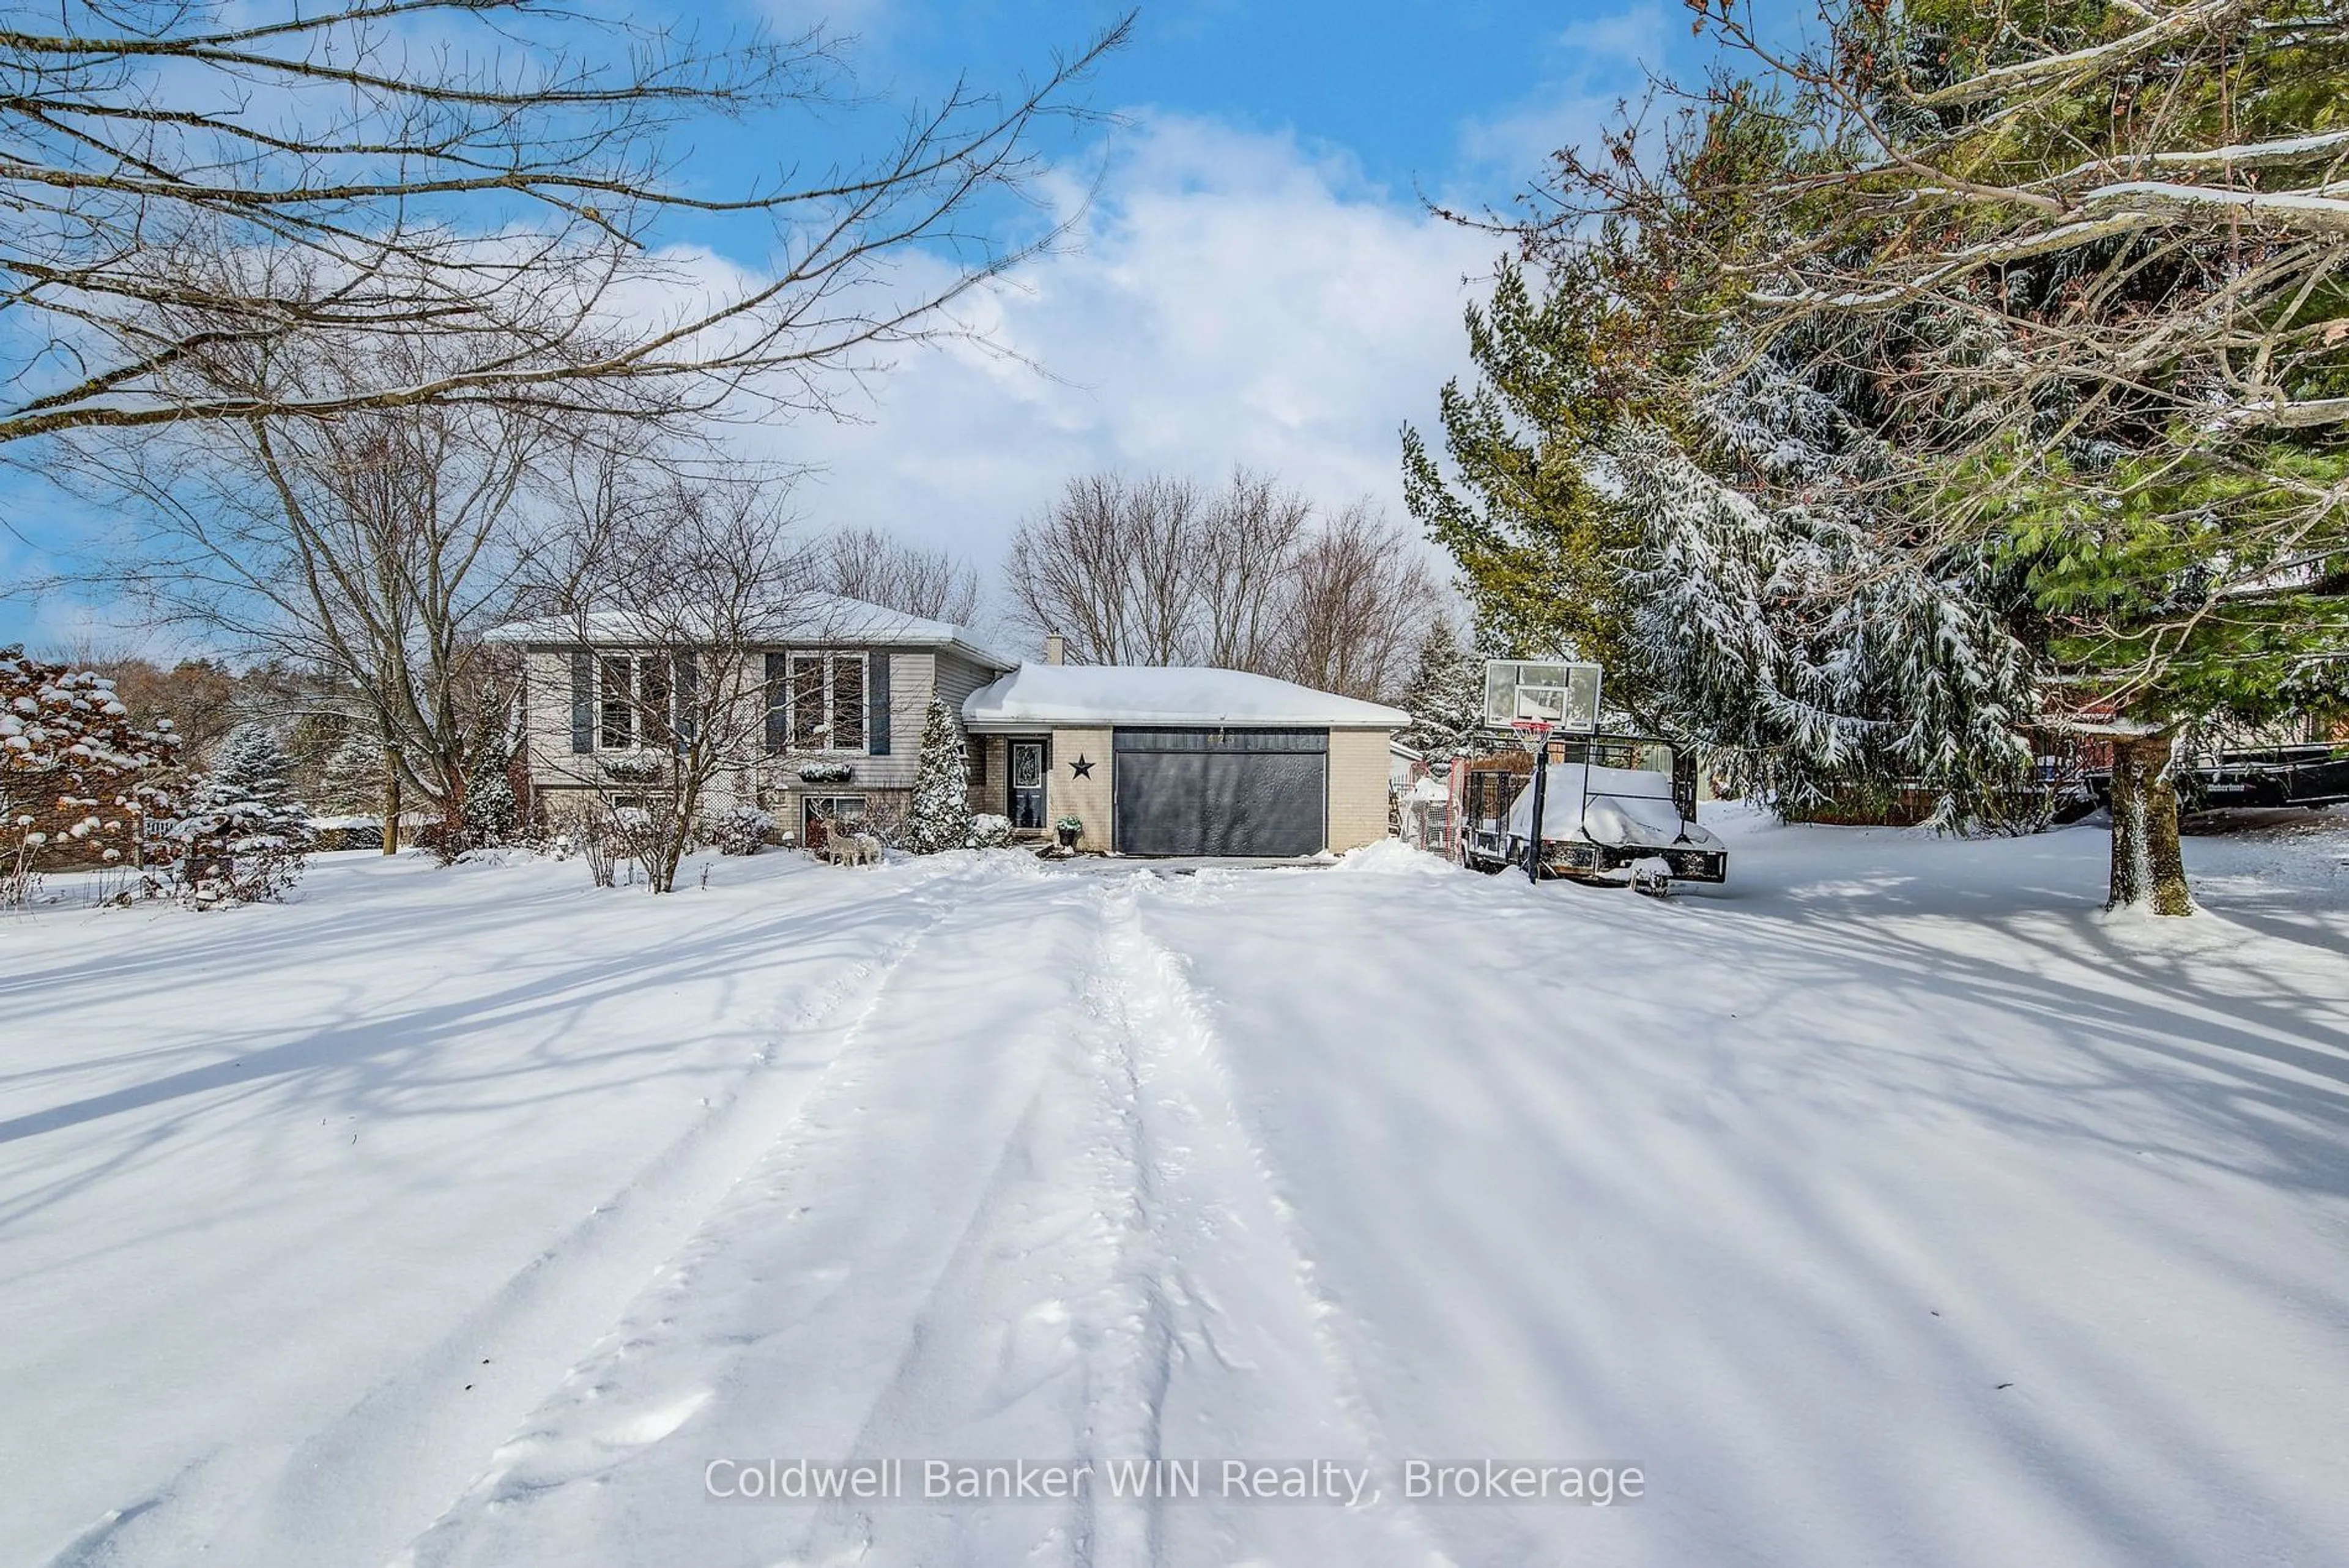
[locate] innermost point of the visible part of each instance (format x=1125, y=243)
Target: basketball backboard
x=1541, y=694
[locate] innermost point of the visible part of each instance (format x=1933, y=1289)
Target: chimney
x=1056, y=649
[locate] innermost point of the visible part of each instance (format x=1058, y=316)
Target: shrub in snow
x=741, y=830
x=75, y=774
x=941, y=810
x=988, y=831
x=346, y=832
x=241, y=836
x=589, y=826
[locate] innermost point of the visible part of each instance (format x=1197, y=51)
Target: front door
x=1027, y=785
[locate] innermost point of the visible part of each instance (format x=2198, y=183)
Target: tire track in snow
x=1123, y=1290
x=1022, y=1224
x=1247, y=1361
x=863, y=1281
x=358, y=1487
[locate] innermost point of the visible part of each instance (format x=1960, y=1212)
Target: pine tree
x=351, y=782
x=941, y=812
x=1446, y=700
x=491, y=814
x=241, y=834
x=1790, y=635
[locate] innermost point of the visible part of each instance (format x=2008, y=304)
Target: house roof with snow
x=802, y=620
x=1108, y=694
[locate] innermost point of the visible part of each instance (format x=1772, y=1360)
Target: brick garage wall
x=1357, y=788
x=987, y=795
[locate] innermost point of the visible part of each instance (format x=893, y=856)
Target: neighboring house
x=847, y=685
x=1183, y=761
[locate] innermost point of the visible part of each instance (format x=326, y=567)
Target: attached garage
x=1221, y=792
x=1185, y=762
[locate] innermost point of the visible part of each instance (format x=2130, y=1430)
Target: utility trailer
x=2274, y=775
x=1612, y=804
x=2307, y=775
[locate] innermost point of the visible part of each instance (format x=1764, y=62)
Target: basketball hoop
x=1537, y=696
x=1540, y=696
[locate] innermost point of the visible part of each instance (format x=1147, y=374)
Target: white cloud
x=1234, y=298
x=1594, y=64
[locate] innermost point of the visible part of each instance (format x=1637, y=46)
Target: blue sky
x=1256, y=279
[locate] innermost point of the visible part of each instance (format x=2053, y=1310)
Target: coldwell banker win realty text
x=1313, y=1480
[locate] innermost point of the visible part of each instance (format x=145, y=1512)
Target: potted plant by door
x=1069, y=829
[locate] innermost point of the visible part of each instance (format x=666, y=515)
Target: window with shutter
x=655, y=694
x=778, y=704
x=617, y=721
x=847, y=702
x=808, y=725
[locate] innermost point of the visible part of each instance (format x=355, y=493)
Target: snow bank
x=1393, y=857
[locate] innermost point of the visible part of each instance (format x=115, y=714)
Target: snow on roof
x=1184, y=695
x=802, y=618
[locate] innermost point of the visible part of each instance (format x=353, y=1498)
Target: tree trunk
x=391, y=800
x=672, y=838
x=2149, y=869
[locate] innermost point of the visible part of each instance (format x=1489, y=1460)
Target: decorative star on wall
x=1081, y=768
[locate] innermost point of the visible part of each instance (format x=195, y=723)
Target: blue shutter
x=583, y=701
x=779, y=692
x=689, y=682
x=876, y=705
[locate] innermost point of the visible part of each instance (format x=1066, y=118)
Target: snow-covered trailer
x=1610, y=802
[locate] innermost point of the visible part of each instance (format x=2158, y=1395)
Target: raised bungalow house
x=1152, y=761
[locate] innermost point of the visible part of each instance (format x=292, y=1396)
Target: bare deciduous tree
x=371, y=548
x=1358, y=602
x=186, y=174
x=868, y=564
x=679, y=585
x=1159, y=571
x=1241, y=574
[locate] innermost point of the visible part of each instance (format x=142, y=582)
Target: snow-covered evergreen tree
x=241, y=834
x=351, y=782
x=941, y=810
x=491, y=814
x=1446, y=700
x=1777, y=627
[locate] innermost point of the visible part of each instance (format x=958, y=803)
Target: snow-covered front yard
x=1887, y=1206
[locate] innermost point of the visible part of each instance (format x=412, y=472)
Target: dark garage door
x=1221, y=792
